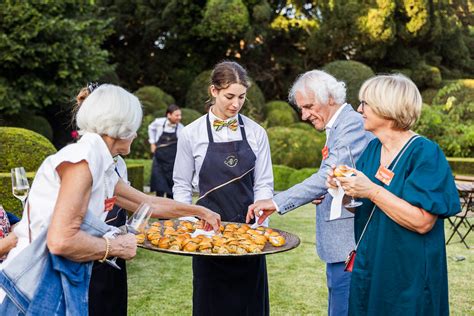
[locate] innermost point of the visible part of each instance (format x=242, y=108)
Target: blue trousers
x=338, y=282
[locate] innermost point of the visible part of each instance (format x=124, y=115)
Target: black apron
x=108, y=292
x=230, y=286
x=163, y=162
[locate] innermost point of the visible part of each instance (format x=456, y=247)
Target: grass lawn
x=161, y=284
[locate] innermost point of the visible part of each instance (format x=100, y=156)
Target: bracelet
x=107, y=249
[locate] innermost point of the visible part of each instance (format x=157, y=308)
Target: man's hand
x=318, y=200
x=262, y=209
x=212, y=220
x=152, y=148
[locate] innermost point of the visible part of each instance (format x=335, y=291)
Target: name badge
x=325, y=152
x=109, y=203
x=385, y=175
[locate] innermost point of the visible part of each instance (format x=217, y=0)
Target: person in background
x=321, y=100
x=163, y=136
x=407, y=190
x=107, y=281
x=69, y=200
x=8, y=238
x=225, y=156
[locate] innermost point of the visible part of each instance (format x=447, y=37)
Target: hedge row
x=462, y=165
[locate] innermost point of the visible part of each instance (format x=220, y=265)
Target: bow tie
x=231, y=124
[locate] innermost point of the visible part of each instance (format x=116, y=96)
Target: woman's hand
x=212, y=220
x=123, y=246
x=358, y=185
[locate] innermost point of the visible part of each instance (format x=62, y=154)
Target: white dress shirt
x=192, y=148
x=45, y=188
x=155, y=129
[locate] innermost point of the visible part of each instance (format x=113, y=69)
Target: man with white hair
x=321, y=100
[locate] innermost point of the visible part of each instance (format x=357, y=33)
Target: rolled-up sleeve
x=183, y=171
x=263, y=185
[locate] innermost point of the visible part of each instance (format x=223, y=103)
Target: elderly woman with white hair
x=79, y=184
x=407, y=190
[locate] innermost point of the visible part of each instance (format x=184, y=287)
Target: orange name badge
x=385, y=175
x=109, y=204
x=325, y=152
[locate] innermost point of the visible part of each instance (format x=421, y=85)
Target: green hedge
x=280, y=118
x=296, y=148
x=462, y=165
x=146, y=163
x=22, y=147
x=304, y=126
x=299, y=175
x=281, y=174
x=135, y=175
x=9, y=202
x=189, y=115
x=29, y=121
x=154, y=100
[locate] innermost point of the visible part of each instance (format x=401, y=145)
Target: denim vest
x=37, y=282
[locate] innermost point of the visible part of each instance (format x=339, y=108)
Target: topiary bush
x=304, y=126
x=426, y=76
x=22, y=147
x=353, y=73
x=198, y=95
x=135, y=175
x=280, y=118
x=300, y=175
x=277, y=105
x=154, y=100
x=146, y=163
x=29, y=121
x=140, y=148
x=8, y=201
x=189, y=115
x=281, y=174
x=295, y=147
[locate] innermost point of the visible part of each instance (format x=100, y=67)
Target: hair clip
x=91, y=86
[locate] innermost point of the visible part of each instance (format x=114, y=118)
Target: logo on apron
x=231, y=161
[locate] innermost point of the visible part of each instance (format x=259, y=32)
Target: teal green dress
x=397, y=271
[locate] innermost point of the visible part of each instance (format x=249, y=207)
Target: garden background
x=163, y=50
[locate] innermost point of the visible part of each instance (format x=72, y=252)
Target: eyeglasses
x=362, y=104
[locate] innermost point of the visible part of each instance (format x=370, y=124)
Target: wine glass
x=135, y=224
x=346, y=167
x=20, y=185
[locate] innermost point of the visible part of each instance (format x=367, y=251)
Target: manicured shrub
x=353, y=73
x=278, y=105
x=295, y=147
x=29, y=121
x=140, y=148
x=280, y=118
x=461, y=165
x=281, y=174
x=300, y=175
x=8, y=201
x=135, y=175
x=154, y=100
x=426, y=76
x=146, y=163
x=304, y=126
x=22, y=147
x=198, y=95
x=189, y=115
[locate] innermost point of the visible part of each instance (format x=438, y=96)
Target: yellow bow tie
x=232, y=125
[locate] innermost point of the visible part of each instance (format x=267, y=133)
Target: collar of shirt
x=99, y=144
x=333, y=119
x=212, y=117
x=169, y=124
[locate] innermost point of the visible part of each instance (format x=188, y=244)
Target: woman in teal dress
x=400, y=266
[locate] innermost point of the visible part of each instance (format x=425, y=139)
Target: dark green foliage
x=280, y=118
x=140, y=148
x=154, y=100
x=8, y=201
x=198, y=95
x=426, y=76
x=135, y=175
x=281, y=175
x=189, y=115
x=22, y=147
x=295, y=147
x=353, y=74
x=428, y=95
x=300, y=175
x=146, y=163
x=462, y=165
x=32, y=122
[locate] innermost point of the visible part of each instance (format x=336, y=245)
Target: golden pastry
x=343, y=171
x=168, y=223
x=164, y=242
x=277, y=241
x=190, y=247
x=140, y=238
x=156, y=224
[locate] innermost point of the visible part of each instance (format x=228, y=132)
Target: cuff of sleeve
x=276, y=207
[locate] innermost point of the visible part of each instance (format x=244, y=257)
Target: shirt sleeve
x=155, y=130
x=430, y=183
x=183, y=171
x=263, y=185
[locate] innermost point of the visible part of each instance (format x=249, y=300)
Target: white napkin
x=189, y=219
x=336, y=204
x=199, y=232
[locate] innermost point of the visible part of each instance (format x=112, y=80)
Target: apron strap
x=242, y=130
